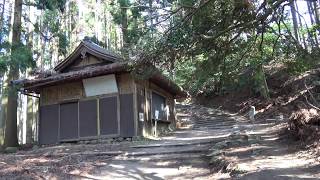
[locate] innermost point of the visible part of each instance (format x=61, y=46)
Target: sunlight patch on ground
x=295, y=176
x=194, y=138
x=36, y=160
x=117, y=166
x=273, y=162
x=147, y=172
x=246, y=149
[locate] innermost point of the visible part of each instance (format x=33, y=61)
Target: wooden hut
x=93, y=95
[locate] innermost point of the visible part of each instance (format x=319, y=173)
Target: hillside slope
x=296, y=98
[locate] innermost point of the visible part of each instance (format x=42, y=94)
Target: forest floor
x=211, y=144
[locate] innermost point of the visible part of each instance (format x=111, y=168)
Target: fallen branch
x=311, y=95
x=315, y=107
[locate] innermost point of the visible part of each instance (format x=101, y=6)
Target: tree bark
x=30, y=119
x=264, y=89
x=105, y=37
x=2, y=20
x=316, y=12
x=124, y=28
x=312, y=20
x=294, y=20
x=11, y=138
x=4, y=99
x=151, y=17
x=316, y=16
x=300, y=25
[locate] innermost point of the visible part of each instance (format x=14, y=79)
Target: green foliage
x=51, y=21
x=212, y=47
x=297, y=67
x=51, y=4
x=259, y=80
x=21, y=57
x=303, y=62
x=3, y=64
x=211, y=60
x=129, y=12
x=63, y=43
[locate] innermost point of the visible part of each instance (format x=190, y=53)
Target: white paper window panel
x=100, y=85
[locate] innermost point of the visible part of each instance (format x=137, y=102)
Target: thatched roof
x=117, y=66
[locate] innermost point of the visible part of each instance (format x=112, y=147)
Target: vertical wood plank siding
x=127, y=128
x=69, y=121
x=88, y=118
x=108, y=116
x=49, y=124
x=140, y=108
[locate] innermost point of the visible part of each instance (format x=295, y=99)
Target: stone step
x=184, y=144
x=183, y=151
x=213, y=127
x=218, y=127
x=212, y=122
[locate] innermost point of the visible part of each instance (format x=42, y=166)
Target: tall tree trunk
x=105, y=36
x=2, y=20
x=1, y=77
x=172, y=65
x=29, y=121
x=316, y=12
x=151, y=17
x=300, y=25
x=262, y=81
x=4, y=98
x=96, y=7
x=316, y=16
x=294, y=20
x=42, y=44
x=11, y=108
x=312, y=20
x=2, y=113
x=35, y=119
x=124, y=28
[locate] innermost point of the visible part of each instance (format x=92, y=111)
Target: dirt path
x=217, y=145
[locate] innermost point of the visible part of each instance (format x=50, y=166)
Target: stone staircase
x=213, y=124
x=203, y=118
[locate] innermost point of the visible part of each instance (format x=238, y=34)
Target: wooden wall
x=134, y=96
x=88, y=60
x=75, y=90
x=113, y=114
x=147, y=127
x=125, y=83
x=59, y=93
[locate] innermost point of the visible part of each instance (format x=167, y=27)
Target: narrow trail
x=213, y=145
x=252, y=150
x=181, y=155
x=185, y=153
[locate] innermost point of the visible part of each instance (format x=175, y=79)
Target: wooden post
x=98, y=117
x=155, y=130
x=156, y=122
